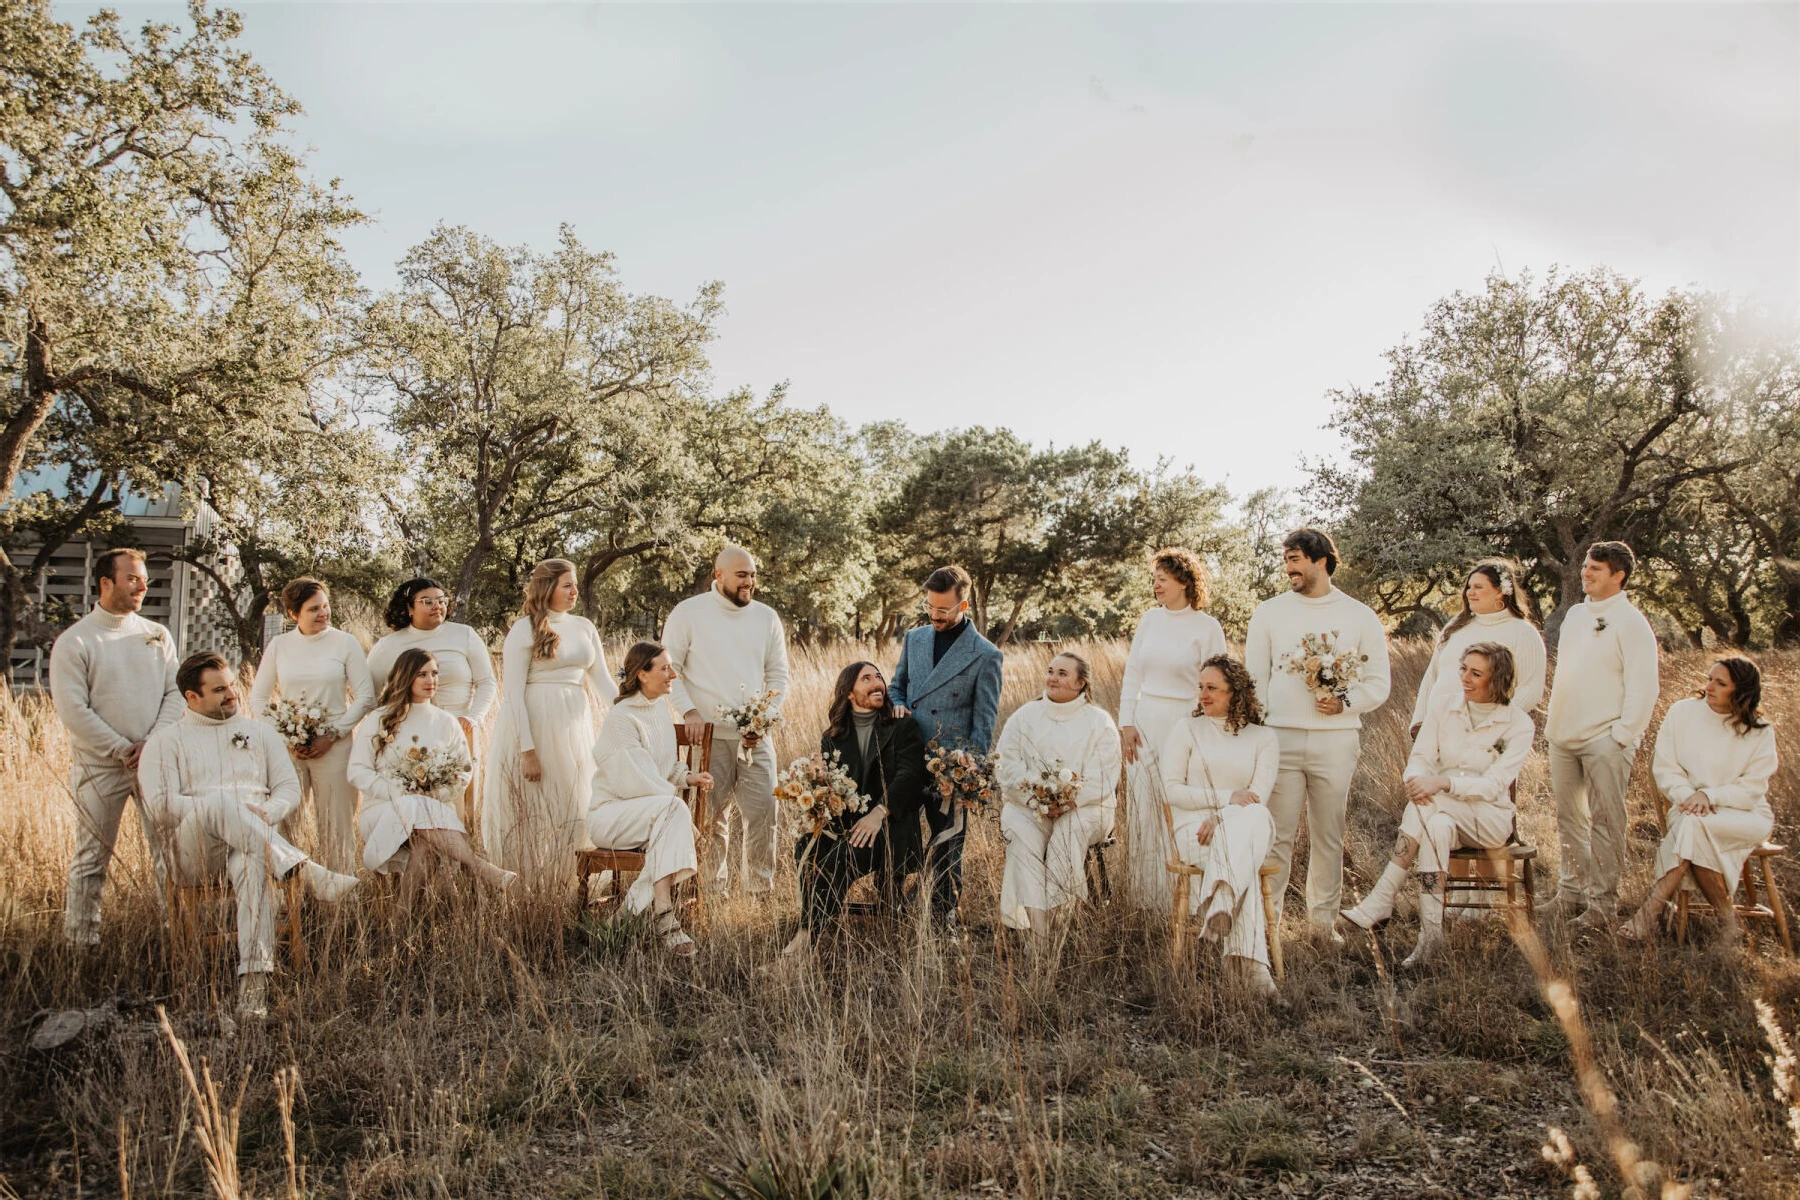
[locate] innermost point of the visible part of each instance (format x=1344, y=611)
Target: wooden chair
x=1185, y=873
x=1688, y=898
x=1099, y=887
x=192, y=931
x=1505, y=879
x=697, y=754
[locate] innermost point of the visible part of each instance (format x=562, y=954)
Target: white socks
x=1378, y=905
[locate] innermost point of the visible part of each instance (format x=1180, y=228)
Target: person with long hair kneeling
x=411, y=762
x=1218, y=767
x=638, y=779
x=1458, y=790
x=1714, y=758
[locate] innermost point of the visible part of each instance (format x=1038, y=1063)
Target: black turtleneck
x=943, y=639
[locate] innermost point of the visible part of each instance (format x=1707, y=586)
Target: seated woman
x=1218, y=767
x=1714, y=758
x=636, y=802
x=404, y=826
x=1458, y=783
x=884, y=754
x=1046, y=853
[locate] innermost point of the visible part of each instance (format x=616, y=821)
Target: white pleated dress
x=1699, y=750
x=390, y=813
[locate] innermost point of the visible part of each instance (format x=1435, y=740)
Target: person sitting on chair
x=1458, y=789
x=215, y=786
x=884, y=755
x=1218, y=767
x=1714, y=758
x=636, y=802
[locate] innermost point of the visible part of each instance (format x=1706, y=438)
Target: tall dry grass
x=470, y=1048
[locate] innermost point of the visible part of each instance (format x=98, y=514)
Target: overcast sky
x=1169, y=228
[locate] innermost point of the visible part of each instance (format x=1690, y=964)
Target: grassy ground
x=474, y=1049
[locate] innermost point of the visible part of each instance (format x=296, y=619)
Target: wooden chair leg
x=1530, y=890
x=1748, y=882
x=1178, y=921
x=1777, y=907
x=1271, y=923
x=295, y=934
x=1681, y=913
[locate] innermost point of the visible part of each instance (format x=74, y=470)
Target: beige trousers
x=221, y=835
x=743, y=806
x=1590, y=781
x=1316, y=769
x=100, y=788
x=326, y=782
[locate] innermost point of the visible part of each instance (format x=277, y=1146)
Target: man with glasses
x=948, y=680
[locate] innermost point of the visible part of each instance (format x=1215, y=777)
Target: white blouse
x=1203, y=765
x=636, y=755
x=325, y=668
x=1443, y=678
x=466, y=682
x=424, y=725
x=1478, y=748
x=1076, y=733
x=579, y=658
x=1165, y=658
x=1699, y=750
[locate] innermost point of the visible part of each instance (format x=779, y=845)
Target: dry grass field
x=474, y=1048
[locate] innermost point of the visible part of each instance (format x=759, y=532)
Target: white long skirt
x=387, y=827
x=1231, y=861
x=1720, y=841
x=660, y=826
x=1046, y=861
x=535, y=828
x=1147, y=847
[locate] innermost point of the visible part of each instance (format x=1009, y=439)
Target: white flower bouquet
x=425, y=771
x=1327, y=669
x=299, y=722
x=962, y=777
x=757, y=715
x=819, y=790
x=1053, y=792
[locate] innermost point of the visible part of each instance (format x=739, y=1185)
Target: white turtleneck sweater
x=113, y=681
x=1077, y=733
x=1203, y=764
x=724, y=655
x=1479, y=748
x=466, y=682
x=1443, y=678
x=636, y=755
x=580, y=658
x=1606, y=674
x=198, y=756
x=325, y=668
x=1699, y=750
x=1276, y=629
x=1165, y=658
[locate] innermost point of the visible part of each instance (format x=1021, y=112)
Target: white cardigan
x=1165, y=658
x=1077, y=733
x=636, y=755
x=1202, y=764
x=1699, y=750
x=1443, y=678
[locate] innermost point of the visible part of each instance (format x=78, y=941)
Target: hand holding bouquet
x=963, y=778
x=1327, y=669
x=426, y=771
x=300, y=722
x=1053, y=792
x=820, y=790
x=754, y=719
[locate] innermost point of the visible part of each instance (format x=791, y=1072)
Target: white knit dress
x=390, y=813
x=1045, y=859
x=1699, y=750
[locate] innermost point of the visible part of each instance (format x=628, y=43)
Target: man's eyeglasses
x=932, y=611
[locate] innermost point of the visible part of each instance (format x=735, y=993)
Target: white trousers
x=325, y=781
x=1720, y=841
x=1449, y=823
x=1590, y=781
x=661, y=827
x=213, y=835
x=1316, y=768
x=1232, y=861
x=1046, y=860
x=100, y=788
x=743, y=807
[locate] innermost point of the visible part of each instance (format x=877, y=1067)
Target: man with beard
x=948, y=681
x=885, y=757
x=726, y=648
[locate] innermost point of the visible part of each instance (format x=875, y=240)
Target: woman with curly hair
x=1218, y=767
x=1458, y=785
x=1714, y=758
x=1162, y=672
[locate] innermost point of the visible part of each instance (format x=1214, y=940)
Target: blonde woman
x=316, y=665
x=403, y=828
x=1046, y=854
x=1162, y=676
x=1218, y=768
x=540, y=761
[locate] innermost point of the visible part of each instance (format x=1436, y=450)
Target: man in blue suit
x=948, y=680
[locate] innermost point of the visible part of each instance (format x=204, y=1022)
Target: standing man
x=1319, y=723
x=215, y=786
x=1600, y=706
x=727, y=648
x=948, y=680
x=112, y=678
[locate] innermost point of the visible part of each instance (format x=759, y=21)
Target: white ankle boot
x=253, y=996
x=1431, y=930
x=1378, y=905
x=328, y=886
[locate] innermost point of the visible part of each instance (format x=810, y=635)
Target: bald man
x=727, y=647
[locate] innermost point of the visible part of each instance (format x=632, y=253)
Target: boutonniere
x=1599, y=626
x=154, y=637
x=241, y=740
x=1499, y=746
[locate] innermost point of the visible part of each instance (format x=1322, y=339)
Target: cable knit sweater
x=1443, y=678
x=113, y=681
x=1165, y=658
x=198, y=755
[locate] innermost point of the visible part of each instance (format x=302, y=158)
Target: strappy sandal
x=674, y=938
